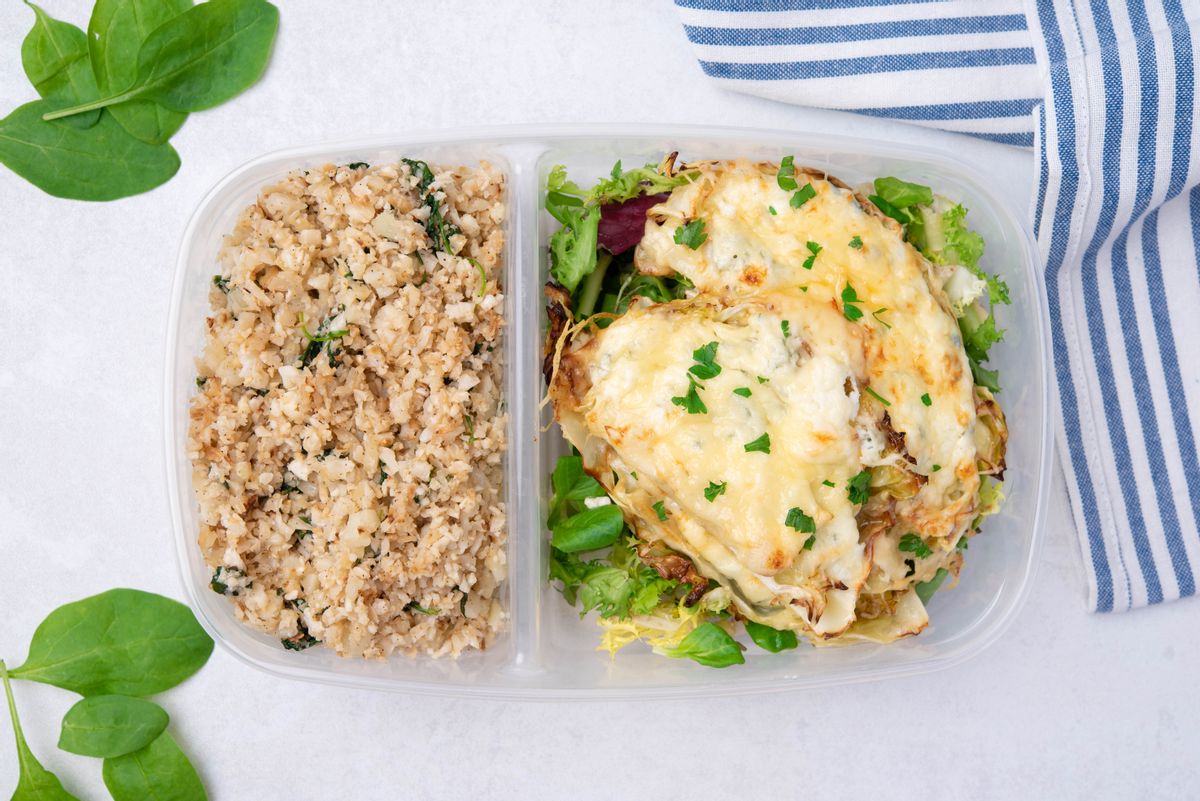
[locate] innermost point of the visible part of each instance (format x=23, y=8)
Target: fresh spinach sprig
x=113, y=648
x=111, y=98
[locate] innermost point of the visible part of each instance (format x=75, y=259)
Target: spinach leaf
x=116, y=32
x=120, y=642
x=160, y=771
x=101, y=163
x=926, y=589
x=570, y=484
x=588, y=530
x=770, y=639
x=111, y=725
x=54, y=55
x=199, y=59
x=34, y=783
x=711, y=646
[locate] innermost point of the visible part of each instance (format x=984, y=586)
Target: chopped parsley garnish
x=814, y=249
x=706, y=366
x=878, y=319
x=763, y=379
x=714, y=489
x=318, y=340
x=805, y=194
x=743, y=391
x=856, y=242
x=798, y=520
x=300, y=641
x=786, y=327
x=808, y=543
x=660, y=509
x=221, y=283
x=962, y=543
x=828, y=483
x=784, y=177
x=877, y=396
x=912, y=543
x=691, y=235
x=849, y=299
x=358, y=165
x=201, y=381
x=925, y=399
x=772, y=210
x=857, y=488
x=762, y=444
x=469, y=423
x=936, y=468
x=691, y=399
x=804, y=288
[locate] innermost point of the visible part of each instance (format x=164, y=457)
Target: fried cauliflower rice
x=348, y=428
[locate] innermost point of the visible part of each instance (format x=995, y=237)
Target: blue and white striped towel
x=1106, y=94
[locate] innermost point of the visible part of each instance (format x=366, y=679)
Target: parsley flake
x=762, y=444
x=786, y=327
x=660, y=509
x=925, y=399
x=691, y=235
x=763, y=380
x=714, y=489
x=772, y=210
x=706, y=366
x=798, y=520
x=857, y=488
x=856, y=242
x=912, y=543
x=805, y=194
x=882, y=322
x=743, y=391
x=691, y=399
x=849, y=299
x=828, y=483
x=936, y=468
x=808, y=543
x=784, y=177
x=814, y=249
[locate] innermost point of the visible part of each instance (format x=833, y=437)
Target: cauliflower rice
x=348, y=429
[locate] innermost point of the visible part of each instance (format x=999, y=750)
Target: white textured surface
x=1065, y=706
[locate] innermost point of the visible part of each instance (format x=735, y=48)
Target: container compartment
x=547, y=651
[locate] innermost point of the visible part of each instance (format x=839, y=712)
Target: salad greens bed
x=113, y=649
x=595, y=557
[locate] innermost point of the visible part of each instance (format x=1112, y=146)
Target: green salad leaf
x=926, y=589
x=34, y=783
x=111, y=726
x=160, y=771
x=120, y=642
x=618, y=586
x=770, y=639
x=55, y=57
x=198, y=59
x=116, y=32
x=710, y=645
x=588, y=530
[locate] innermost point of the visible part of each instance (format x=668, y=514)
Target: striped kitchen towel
x=1105, y=92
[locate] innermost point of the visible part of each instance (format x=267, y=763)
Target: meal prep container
x=546, y=651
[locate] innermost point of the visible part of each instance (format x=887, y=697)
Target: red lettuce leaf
x=623, y=224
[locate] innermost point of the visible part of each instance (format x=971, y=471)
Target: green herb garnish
x=814, y=249
x=761, y=444
x=787, y=169
x=857, y=488
x=691, y=399
x=880, y=320
x=660, y=509
x=802, y=196
x=714, y=489
x=743, y=391
x=798, y=520
x=877, y=396
x=691, y=235
x=856, y=242
x=912, y=543
x=925, y=399
x=413, y=606
x=849, y=299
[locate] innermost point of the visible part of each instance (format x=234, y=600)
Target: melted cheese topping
x=808, y=393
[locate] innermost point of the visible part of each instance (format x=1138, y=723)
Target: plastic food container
x=546, y=651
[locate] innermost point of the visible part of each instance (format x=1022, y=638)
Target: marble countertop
x=1065, y=705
